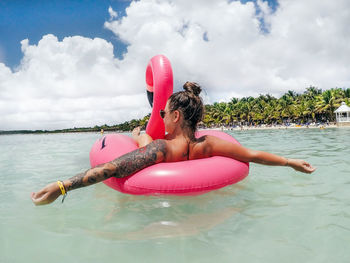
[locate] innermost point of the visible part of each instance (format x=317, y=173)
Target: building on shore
x=342, y=115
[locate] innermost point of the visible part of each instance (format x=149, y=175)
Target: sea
x=274, y=215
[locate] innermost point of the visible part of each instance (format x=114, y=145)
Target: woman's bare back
x=182, y=149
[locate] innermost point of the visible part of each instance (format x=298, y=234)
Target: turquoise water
x=274, y=215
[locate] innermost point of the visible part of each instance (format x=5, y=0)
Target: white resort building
x=343, y=115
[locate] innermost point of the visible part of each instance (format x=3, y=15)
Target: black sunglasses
x=162, y=114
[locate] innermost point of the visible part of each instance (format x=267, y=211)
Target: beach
x=275, y=127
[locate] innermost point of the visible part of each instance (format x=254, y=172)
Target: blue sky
x=21, y=19
x=75, y=63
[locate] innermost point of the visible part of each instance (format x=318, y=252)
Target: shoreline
x=222, y=128
x=273, y=127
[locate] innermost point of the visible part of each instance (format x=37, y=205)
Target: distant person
x=183, y=111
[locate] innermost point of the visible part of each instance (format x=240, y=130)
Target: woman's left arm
x=123, y=166
x=223, y=148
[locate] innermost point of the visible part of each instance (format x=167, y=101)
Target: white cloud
x=112, y=13
x=73, y=82
x=220, y=44
x=307, y=43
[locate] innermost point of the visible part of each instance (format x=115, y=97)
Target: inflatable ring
x=191, y=177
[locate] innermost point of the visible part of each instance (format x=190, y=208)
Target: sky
x=70, y=64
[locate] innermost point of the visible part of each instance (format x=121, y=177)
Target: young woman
x=181, y=115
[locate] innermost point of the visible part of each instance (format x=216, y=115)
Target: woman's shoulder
x=206, y=140
x=202, y=147
x=208, y=145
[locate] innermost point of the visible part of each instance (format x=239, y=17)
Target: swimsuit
x=188, y=151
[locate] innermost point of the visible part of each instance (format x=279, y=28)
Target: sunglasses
x=162, y=114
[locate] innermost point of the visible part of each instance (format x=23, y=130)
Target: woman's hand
x=46, y=195
x=301, y=166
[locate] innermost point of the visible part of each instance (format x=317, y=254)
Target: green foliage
x=312, y=105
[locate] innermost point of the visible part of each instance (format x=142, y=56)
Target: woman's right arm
x=219, y=147
x=126, y=165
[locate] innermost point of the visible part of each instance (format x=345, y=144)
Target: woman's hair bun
x=192, y=87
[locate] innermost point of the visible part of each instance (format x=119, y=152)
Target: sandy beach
x=274, y=127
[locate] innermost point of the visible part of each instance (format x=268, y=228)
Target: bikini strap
x=188, y=150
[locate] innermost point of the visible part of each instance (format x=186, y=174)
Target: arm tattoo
x=123, y=166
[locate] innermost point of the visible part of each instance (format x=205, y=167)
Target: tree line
x=313, y=105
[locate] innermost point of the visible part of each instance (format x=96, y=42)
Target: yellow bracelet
x=63, y=190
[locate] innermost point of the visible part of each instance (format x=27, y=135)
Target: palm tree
x=329, y=101
x=312, y=92
x=347, y=93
